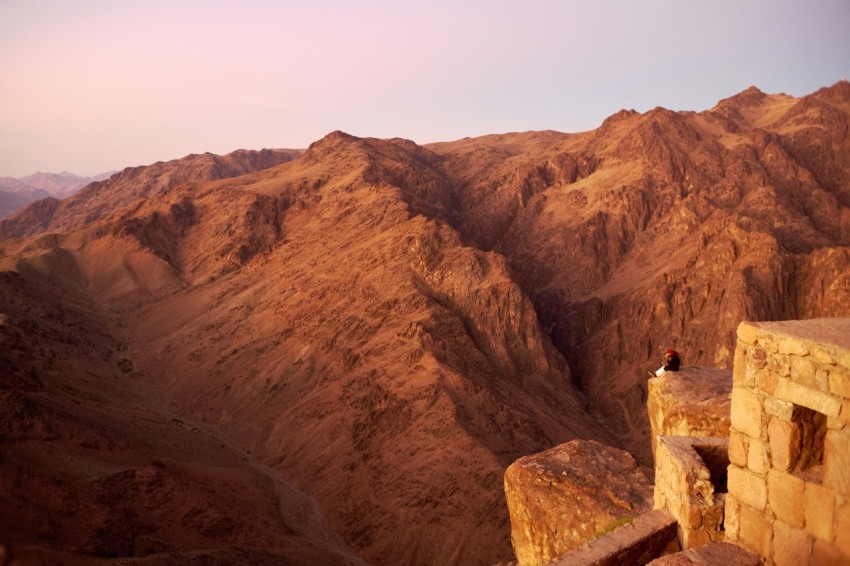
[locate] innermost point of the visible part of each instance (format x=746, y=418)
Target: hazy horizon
x=94, y=86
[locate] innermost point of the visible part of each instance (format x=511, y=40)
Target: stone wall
x=789, y=444
x=690, y=481
x=635, y=543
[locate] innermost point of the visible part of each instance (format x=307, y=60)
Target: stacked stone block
x=789, y=443
x=694, y=401
x=690, y=482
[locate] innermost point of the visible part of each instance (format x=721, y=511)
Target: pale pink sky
x=95, y=85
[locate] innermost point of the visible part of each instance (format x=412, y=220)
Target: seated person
x=671, y=362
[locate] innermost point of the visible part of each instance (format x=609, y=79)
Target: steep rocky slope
x=666, y=229
x=11, y=202
x=385, y=327
x=94, y=464
x=320, y=316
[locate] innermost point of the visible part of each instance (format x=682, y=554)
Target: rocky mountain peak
x=751, y=96
x=837, y=93
x=332, y=139
x=618, y=116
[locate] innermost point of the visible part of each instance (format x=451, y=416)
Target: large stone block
x=693, y=538
x=692, y=517
x=747, y=487
x=791, y=547
x=825, y=554
x=839, y=381
x=842, y=528
x=805, y=372
x=755, y=531
x=794, y=346
x=836, y=461
x=844, y=417
x=732, y=513
x=746, y=412
x=783, y=410
x=793, y=392
x=820, y=511
x=738, y=449
x=757, y=460
x=786, y=497
x=748, y=333
x=739, y=363
x=561, y=498
x=784, y=441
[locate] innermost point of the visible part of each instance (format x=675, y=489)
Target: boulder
x=565, y=496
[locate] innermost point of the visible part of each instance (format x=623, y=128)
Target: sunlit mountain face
x=332, y=355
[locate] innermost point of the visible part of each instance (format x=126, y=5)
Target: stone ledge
x=714, y=554
x=635, y=543
x=825, y=339
x=686, y=449
x=694, y=401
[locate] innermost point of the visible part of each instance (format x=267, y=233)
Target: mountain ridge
x=387, y=326
x=16, y=193
x=118, y=190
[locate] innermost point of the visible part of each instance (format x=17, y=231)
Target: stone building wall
x=689, y=416
x=789, y=443
x=690, y=481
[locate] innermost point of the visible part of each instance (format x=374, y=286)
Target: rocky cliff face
x=386, y=327
x=666, y=229
x=331, y=325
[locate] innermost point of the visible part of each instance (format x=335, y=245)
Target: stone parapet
x=690, y=481
x=691, y=402
x=717, y=553
x=789, y=444
x=635, y=543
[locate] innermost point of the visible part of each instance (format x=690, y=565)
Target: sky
x=90, y=86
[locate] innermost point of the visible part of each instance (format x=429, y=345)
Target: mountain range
x=16, y=193
x=332, y=355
